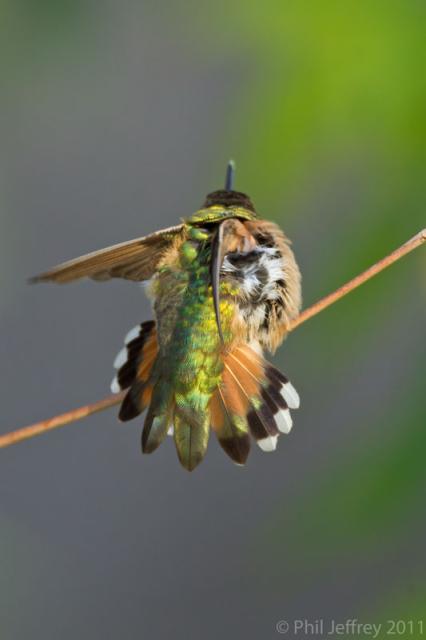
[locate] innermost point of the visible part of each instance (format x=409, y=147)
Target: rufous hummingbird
x=224, y=286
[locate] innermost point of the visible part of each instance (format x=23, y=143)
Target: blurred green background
x=116, y=119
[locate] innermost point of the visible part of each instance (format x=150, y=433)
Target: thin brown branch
x=58, y=421
x=322, y=304
x=82, y=412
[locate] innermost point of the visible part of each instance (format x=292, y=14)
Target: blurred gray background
x=116, y=121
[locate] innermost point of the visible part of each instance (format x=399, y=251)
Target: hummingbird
x=224, y=286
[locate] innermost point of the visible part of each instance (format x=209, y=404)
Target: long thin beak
x=215, y=267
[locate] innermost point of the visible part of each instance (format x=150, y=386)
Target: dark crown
x=228, y=198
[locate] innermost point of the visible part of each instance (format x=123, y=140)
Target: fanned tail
x=253, y=398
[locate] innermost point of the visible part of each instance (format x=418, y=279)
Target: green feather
x=191, y=438
x=154, y=431
x=159, y=417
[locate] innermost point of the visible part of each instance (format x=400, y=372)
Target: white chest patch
x=260, y=273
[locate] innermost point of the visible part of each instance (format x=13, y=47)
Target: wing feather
x=133, y=260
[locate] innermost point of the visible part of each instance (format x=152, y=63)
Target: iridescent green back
x=190, y=364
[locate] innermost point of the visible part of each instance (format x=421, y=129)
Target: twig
x=82, y=412
x=410, y=245
x=58, y=421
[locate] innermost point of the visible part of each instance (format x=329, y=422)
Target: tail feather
x=253, y=392
x=268, y=394
x=154, y=431
x=191, y=437
x=137, y=399
x=231, y=432
x=284, y=386
x=258, y=414
x=135, y=363
x=276, y=387
x=159, y=417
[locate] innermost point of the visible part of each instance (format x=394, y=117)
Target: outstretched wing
x=133, y=260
